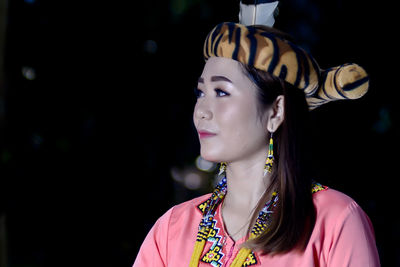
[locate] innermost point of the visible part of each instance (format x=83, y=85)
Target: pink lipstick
x=206, y=134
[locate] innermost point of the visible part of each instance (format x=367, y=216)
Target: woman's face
x=226, y=113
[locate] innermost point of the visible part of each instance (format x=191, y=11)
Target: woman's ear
x=276, y=114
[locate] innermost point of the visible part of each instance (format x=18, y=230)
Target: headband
x=260, y=48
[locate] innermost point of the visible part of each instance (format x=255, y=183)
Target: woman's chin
x=209, y=156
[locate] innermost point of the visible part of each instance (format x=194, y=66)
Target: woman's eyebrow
x=215, y=79
x=220, y=78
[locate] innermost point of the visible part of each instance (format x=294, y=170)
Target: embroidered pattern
x=214, y=254
x=250, y=260
x=316, y=187
x=202, y=206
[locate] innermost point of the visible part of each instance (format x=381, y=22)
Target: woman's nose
x=203, y=112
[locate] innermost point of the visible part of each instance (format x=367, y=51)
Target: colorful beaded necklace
x=206, y=224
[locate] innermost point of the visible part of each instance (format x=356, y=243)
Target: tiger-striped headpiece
x=262, y=49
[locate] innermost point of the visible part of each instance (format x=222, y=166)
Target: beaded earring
x=270, y=158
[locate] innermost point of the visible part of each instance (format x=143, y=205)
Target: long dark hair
x=294, y=216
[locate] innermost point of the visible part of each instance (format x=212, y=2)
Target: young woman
x=253, y=98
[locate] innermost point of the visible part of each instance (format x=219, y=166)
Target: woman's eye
x=198, y=93
x=221, y=93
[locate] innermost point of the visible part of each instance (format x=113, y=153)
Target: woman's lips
x=206, y=134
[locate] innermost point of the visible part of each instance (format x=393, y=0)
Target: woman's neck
x=246, y=182
x=246, y=185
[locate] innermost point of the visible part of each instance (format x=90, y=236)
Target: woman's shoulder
x=332, y=198
x=182, y=214
x=334, y=205
x=190, y=206
x=342, y=228
x=185, y=215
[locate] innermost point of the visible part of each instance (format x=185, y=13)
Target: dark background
x=88, y=143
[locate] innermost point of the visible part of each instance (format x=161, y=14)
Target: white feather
x=260, y=14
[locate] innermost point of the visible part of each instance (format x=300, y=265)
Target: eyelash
x=197, y=92
x=218, y=91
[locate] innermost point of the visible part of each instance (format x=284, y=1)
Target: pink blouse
x=343, y=236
